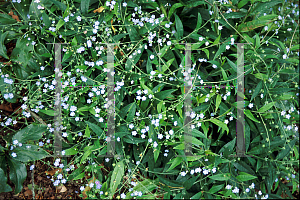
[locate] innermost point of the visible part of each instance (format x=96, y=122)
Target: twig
x=32, y=178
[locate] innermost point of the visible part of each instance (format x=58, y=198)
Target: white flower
x=123, y=196
x=198, y=170
x=236, y=190
x=220, y=27
x=214, y=170
x=134, y=133
x=152, y=57
x=214, y=66
x=205, y=171
x=250, y=105
x=228, y=187
x=227, y=47
x=14, y=154
x=73, y=108
x=252, y=186
x=169, y=43
x=124, y=5
x=66, y=19
x=206, y=43
x=81, y=188
x=201, y=38
x=84, y=79
x=182, y=173
x=160, y=136
x=284, y=56
x=78, y=18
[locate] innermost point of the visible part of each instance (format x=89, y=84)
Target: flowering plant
x=165, y=57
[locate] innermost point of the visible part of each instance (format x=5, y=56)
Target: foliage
x=151, y=88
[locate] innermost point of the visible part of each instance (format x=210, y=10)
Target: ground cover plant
x=150, y=86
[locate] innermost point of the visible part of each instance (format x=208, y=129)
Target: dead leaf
x=88, y=188
x=113, y=28
x=15, y=17
x=62, y=188
x=28, y=193
x=99, y=10
x=52, y=172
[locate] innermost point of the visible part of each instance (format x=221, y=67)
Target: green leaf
x=221, y=124
x=224, y=74
x=59, y=24
x=4, y=187
x=159, y=106
x=167, y=65
x=133, y=140
x=75, y=175
x=133, y=34
x=257, y=41
x=169, y=182
x=283, y=153
x=215, y=188
x=145, y=87
x=220, y=50
x=146, y=186
x=261, y=76
x=6, y=19
x=217, y=40
x=164, y=94
x=94, y=127
x=86, y=154
x=116, y=176
x=295, y=47
x=251, y=25
x=48, y=55
x=266, y=107
x=232, y=64
x=245, y=177
x=242, y=3
x=17, y=174
x=20, y=56
x=2, y=46
x=197, y=133
x=30, y=152
x=173, y=8
x=48, y=112
x=31, y=132
x=180, y=146
x=175, y=162
x=250, y=116
x=156, y=152
x=85, y=6
x=74, y=41
x=60, y=5
x=218, y=101
x=199, y=22
x=71, y=151
x=179, y=27
x=221, y=177
x=46, y=19
x=87, y=131
x=257, y=90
